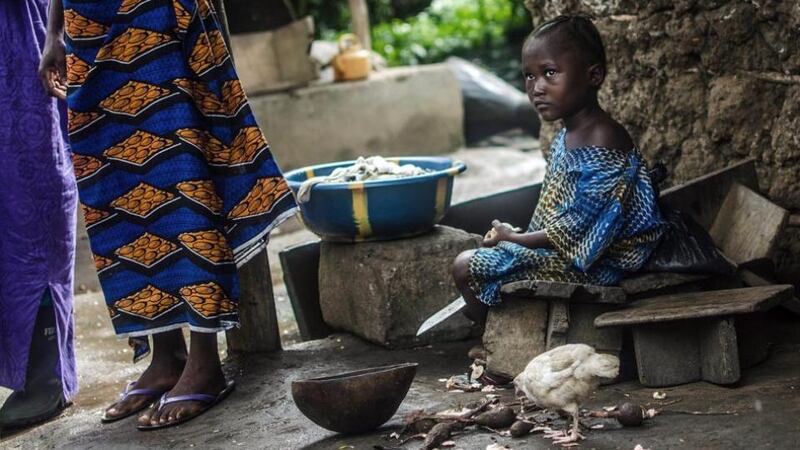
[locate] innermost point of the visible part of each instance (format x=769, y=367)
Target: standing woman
x=37, y=216
x=177, y=184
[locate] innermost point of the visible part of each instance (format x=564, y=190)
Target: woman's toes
x=166, y=415
x=155, y=418
x=144, y=419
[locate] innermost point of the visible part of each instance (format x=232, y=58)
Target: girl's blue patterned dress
x=599, y=211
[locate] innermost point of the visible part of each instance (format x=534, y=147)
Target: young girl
x=597, y=217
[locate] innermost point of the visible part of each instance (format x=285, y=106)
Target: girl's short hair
x=579, y=32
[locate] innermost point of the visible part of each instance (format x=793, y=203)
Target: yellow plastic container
x=352, y=62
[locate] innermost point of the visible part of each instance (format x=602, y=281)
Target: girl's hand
x=500, y=232
x=53, y=67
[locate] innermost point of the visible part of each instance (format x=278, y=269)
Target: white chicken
x=562, y=378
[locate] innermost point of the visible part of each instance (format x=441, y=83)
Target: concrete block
x=268, y=61
x=514, y=334
x=396, y=112
x=383, y=291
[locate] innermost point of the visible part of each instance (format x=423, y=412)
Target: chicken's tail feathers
x=605, y=366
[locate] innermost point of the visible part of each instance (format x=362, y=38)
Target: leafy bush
x=449, y=27
x=410, y=32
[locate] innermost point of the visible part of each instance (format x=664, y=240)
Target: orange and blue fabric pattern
x=177, y=183
x=600, y=212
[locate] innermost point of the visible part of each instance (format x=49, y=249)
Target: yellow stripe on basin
x=441, y=197
x=360, y=210
x=309, y=174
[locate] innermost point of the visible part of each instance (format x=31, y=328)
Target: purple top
x=37, y=199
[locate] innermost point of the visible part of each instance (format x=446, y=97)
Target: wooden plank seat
x=688, y=337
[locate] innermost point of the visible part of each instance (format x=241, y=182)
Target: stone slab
x=396, y=112
x=383, y=291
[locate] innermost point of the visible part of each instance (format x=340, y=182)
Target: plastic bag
x=491, y=105
x=687, y=248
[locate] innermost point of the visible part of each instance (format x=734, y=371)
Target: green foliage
x=409, y=32
x=449, y=27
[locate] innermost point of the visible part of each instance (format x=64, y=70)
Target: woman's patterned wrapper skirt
x=177, y=183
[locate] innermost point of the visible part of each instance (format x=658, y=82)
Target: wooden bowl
x=354, y=402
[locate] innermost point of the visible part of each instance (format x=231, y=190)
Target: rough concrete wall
x=396, y=112
x=703, y=84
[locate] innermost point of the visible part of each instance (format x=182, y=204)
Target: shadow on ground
x=760, y=412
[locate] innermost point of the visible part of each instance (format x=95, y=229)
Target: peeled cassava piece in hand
x=492, y=233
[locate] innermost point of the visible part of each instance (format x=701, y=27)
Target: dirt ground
x=762, y=411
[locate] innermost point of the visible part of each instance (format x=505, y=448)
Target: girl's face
x=557, y=80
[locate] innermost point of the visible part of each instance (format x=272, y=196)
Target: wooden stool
x=689, y=337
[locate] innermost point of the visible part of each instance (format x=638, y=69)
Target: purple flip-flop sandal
x=209, y=402
x=128, y=392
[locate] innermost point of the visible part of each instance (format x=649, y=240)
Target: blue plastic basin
x=379, y=209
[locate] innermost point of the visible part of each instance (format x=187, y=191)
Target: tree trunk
x=360, y=19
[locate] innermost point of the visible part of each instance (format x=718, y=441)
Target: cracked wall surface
x=703, y=84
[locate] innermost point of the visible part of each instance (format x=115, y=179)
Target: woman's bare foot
x=202, y=375
x=166, y=366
